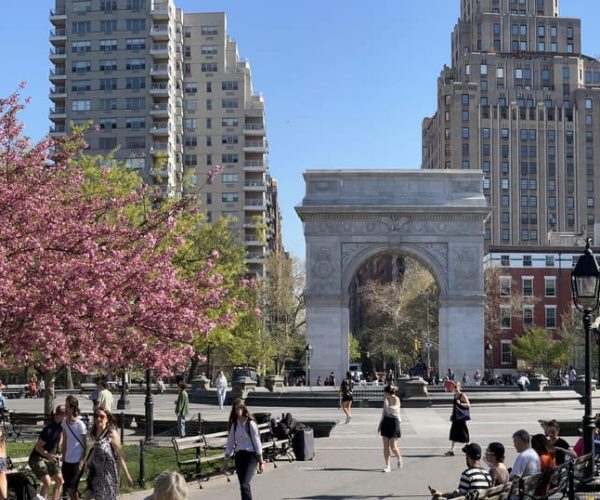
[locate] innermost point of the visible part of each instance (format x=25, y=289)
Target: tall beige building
x=522, y=103
x=169, y=90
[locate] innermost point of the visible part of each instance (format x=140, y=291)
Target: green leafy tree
x=354, y=347
x=283, y=308
x=540, y=350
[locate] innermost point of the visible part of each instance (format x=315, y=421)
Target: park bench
x=500, y=492
x=193, y=452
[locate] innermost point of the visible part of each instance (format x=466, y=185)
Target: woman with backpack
x=346, y=396
x=244, y=439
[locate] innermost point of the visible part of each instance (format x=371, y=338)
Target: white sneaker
x=400, y=464
x=387, y=468
x=348, y=419
x=40, y=497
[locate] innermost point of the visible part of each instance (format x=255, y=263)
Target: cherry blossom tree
x=80, y=286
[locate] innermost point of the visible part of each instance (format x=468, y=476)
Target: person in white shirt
x=527, y=462
x=244, y=439
x=74, y=445
x=221, y=385
x=105, y=397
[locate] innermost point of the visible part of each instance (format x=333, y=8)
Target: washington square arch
x=433, y=216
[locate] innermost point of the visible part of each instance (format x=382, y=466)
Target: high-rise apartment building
x=522, y=103
x=169, y=90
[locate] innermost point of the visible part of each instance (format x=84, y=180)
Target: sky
x=346, y=83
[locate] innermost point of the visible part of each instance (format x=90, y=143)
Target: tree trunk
x=192, y=370
x=49, y=381
x=69, y=376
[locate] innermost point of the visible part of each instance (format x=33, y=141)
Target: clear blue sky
x=346, y=82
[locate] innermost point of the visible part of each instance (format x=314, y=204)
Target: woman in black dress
x=389, y=426
x=459, y=432
x=346, y=396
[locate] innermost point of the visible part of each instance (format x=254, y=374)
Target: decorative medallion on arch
x=435, y=216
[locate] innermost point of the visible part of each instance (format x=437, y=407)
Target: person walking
x=572, y=375
x=459, y=432
x=243, y=438
x=346, y=396
x=74, y=444
x=105, y=397
x=44, y=460
x=494, y=457
x=106, y=458
x=182, y=408
x=389, y=426
x=221, y=385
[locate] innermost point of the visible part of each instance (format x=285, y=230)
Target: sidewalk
x=349, y=463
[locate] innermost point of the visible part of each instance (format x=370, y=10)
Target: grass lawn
x=156, y=460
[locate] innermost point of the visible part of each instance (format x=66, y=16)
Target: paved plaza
x=349, y=463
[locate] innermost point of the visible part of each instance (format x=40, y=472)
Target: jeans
x=245, y=465
x=181, y=425
x=221, y=396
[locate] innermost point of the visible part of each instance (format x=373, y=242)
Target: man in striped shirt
x=472, y=478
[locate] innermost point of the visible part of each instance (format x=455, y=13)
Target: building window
x=108, y=84
x=81, y=105
x=190, y=123
x=505, y=352
x=109, y=26
x=230, y=103
x=108, y=142
x=527, y=316
x=550, y=286
x=82, y=6
x=135, y=142
x=505, y=260
x=135, y=83
x=135, y=103
x=527, y=261
x=505, y=317
x=505, y=286
x=190, y=160
x=81, y=85
x=108, y=123
x=229, y=139
x=550, y=313
x=191, y=141
x=527, y=286
x=109, y=104
x=80, y=27
x=209, y=67
x=81, y=46
x=227, y=178
x=108, y=5
x=135, y=24
x=136, y=123
x=135, y=64
x=209, y=30
x=107, y=65
x=135, y=44
x=81, y=66
x=136, y=163
x=108, y=45
x=136, y=4
x=229, y=197
x=229, y=158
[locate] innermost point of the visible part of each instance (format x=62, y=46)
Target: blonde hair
x=170, y=485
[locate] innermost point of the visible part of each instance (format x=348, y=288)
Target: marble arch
x=436, y=216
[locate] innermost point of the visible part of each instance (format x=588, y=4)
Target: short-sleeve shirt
x=526, y=464
x=50, y=435
x=560, y=455
x=474, y=478
x=74, y=449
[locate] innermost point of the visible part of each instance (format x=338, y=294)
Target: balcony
x=255, y=186
x=159, y=50
x=58, y=73
x=58, y=93
x=160, y=89
x=160, y=129
x=160, y=32
x=58, y=54
x=160, y=110
x=254, y=166
x=57, y=130
x=58, y=112
x=159, y=148
x=253, y=241
x=160, y=71
x=254, y=129
x=58, y=16
x=255, y=205
x=160, y=173
x=255, y=146
x=255, y=257
x=58, y=35
x=160, y=11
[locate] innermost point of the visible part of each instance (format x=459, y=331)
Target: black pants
x=245, y=465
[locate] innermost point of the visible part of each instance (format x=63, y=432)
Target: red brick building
x=542, y=276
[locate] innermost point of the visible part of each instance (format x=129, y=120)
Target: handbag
x=461, y=414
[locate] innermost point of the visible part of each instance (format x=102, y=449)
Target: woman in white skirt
x=389, y=426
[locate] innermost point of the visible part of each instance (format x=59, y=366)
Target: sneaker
x=387, y=468
x=400, y=464
x=348, y=419
x=449, y=453
x=40, y=497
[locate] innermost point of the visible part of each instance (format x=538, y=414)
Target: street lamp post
x=585, y=285
x=149, y=407
x=308, y=350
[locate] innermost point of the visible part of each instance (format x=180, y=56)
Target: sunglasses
x=100, y=416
